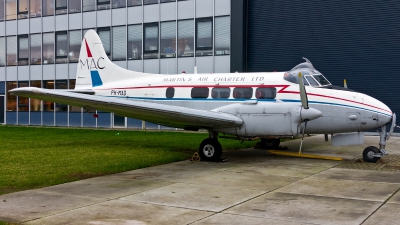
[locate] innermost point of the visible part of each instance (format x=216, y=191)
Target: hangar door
x=353, y=40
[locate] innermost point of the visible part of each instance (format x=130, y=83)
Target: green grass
x=34, y=157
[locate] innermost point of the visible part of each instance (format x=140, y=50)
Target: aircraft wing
x=172, y=116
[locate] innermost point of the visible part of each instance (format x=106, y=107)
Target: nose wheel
x=371, y=154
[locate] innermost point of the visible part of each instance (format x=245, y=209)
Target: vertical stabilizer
x=95, y=68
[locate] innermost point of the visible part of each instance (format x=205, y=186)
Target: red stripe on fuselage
x=281, y=91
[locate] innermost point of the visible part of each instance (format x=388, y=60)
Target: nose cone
x=382, y=110
x=309, y=114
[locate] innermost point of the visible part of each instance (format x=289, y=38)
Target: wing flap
x=172, y=116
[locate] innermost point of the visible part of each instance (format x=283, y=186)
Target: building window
x=36, y=49
x=2, y=51
x=170, y=92
x=118, y=4
x=61, y=47
x=74, y=6
x=168, y=40
x=61, y=7
x=23, y=102
x=11, y=10
x=48, y=106
x=36, y=103
x=1, y=10
x=48, y=48
x=48, y=8
x=221, y=93
x=11, y=99
x=104, y=34
x=150, y=41
x=23, y=51
x=35, y=9
x=119, y=43
x=11, y=51
x=134, y=2
x=135, y=41
x=204, y=37
x=72, y=86
x=88, y=5
x=103, y=4
x=222, y=35
x=2, y=88
x=74, y=45
x=243, y=93
x=265, y=93
x=199, y=93
x=23, y=9
x=148, y=2
x=163, y=1
x=185, y=38
x=61, y=84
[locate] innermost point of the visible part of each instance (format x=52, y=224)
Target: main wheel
x=270, y=143
x=368, y=154
x=210, y=150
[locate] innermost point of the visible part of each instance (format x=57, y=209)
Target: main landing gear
x=210, y=149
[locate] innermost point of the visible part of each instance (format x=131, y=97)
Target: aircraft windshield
x=310, y=75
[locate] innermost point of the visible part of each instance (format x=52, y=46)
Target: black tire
x=368, y=154
x=270, y=143
x=210, y=150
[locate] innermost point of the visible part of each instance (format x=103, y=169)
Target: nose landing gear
x=372, y=153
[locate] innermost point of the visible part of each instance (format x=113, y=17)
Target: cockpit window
x=321, y=79
x=310, y=75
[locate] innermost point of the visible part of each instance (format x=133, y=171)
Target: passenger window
x=199, y=93
x=170, y=92
x=244, y=93
x=266, y=93
x=220, y=92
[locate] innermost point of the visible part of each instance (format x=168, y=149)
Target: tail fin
x=94, y=67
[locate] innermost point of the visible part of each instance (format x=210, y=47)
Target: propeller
x=344, y=83
x=306, y=113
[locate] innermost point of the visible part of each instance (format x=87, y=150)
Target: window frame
x=18, y=50
x=199, y=20
x=57, y=56
x=56, y=8
x=26, y=13
x=99, y=29
x=151, y=52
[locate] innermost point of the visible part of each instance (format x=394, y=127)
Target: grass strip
x=34, y=157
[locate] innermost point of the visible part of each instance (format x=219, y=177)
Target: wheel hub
x=371, y=154
x=208, y=150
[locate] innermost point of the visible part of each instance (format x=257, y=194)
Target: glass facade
x=168, y=39
x=11, y=9
x=135, y=41
x=36, y=49
x=23, y=51
x=49, y=54
x=11, y=50
x=48, y=48
x=185, y=38
x=36, y=8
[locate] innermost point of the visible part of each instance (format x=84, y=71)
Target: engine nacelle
x=264, y=119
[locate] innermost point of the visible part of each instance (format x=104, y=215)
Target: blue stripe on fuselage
x=241, y=100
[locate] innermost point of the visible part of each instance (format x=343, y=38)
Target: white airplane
x=245, y=106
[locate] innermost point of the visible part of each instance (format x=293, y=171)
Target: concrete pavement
x=253, y=187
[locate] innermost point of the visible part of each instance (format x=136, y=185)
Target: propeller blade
x=302, y=138
x=345, y=83
x=303, y=93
